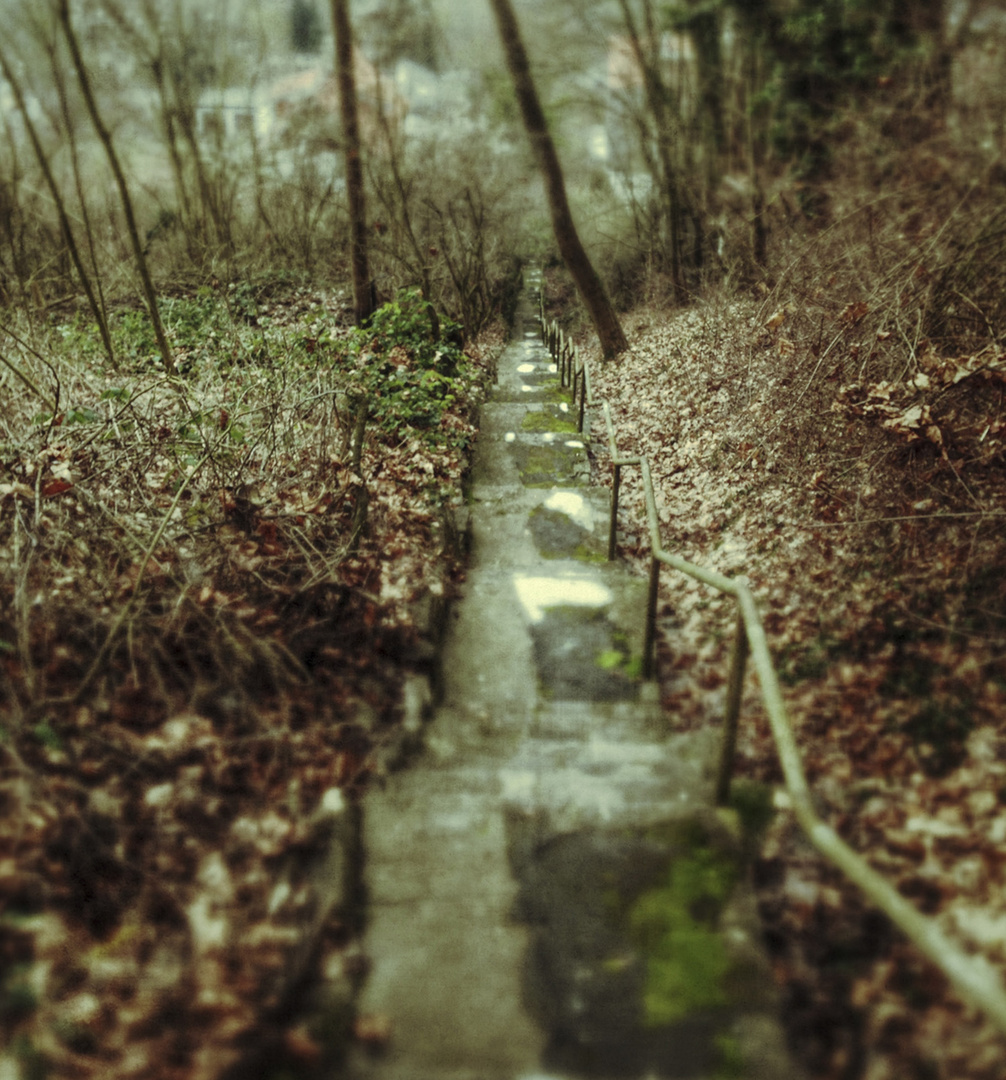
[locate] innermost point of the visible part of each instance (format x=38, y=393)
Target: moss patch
x=619, y=658
x=542, y=420
x=552, y=391
x=545, y=466
x=676, y=928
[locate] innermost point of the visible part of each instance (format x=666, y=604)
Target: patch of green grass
x=407, y=375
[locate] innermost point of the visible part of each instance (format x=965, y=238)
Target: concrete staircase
x=551, y=893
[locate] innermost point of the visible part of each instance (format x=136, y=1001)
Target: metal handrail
x=977, y=981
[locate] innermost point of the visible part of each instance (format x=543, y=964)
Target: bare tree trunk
x=656, y=99
x=12, y=219
x=57, y=198
x=63, y=12
x=92, y=247
x=588, y=282
x=363, y=293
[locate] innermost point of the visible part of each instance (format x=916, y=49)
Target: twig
x=43, y=397
x=127, y=607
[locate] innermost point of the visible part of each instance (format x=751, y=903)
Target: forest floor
x=870, y=520
x=213, y=589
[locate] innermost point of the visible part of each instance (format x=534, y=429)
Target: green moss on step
x=542, y=420
x=677, y=929
x=545, y=466
x=585, y=553
x=553, y=392
x=619, y=659
x=609, y=659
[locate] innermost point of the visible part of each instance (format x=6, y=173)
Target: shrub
x=406, y=364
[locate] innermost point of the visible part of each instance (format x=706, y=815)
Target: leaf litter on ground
x=875, y=546
x=214, y=590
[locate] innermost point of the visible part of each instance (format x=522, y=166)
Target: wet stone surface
x=551, y=461
x=579, y=656
x=558, y=536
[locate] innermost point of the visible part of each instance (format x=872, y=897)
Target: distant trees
x=105, y=138
x=738, y=88
x=404, y=30
x=588, y=281
x=91, y=291
x=726, y=119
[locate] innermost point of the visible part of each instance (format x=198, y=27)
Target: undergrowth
x=212, y=588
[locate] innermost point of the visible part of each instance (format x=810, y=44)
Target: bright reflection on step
x=537, y=594
x=526, y=369
x=575, y=444
x=573, y=506
x=510, y=436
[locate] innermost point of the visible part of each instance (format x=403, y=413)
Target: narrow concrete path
x=550, y=894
